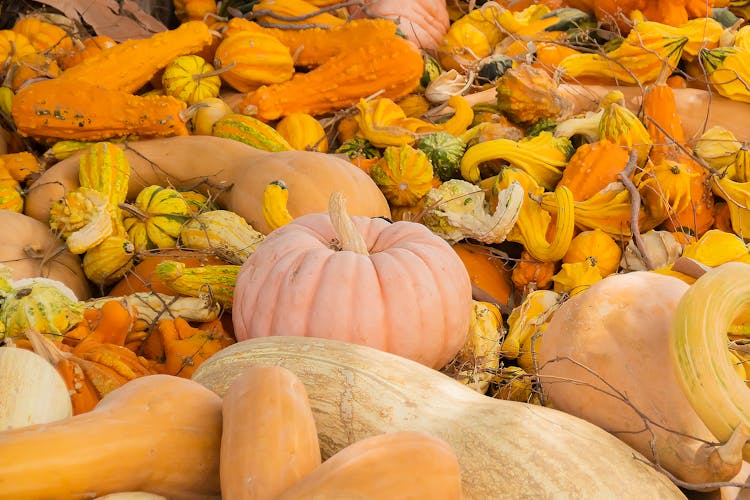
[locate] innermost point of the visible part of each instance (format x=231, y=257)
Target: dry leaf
x=108, y=17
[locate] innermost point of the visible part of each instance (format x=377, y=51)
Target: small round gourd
x=396, y=287
x=191, y=79
x=255, y=58
x=597, y=246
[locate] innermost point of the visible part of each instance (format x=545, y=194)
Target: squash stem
x=349, y=238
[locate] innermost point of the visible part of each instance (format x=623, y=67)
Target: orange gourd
x=487, y=271
x=672, y=12
x=269, y=438
x=592, y=167
x=158, y=433
x=390, y=265
x=85, y=49
x=406, y=464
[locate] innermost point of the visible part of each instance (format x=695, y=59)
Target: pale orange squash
x=405, y=464
x=269, y=440
x=157, y=433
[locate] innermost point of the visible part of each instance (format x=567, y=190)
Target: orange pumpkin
x=486, y=271
x=142, y=278
x=292, y=285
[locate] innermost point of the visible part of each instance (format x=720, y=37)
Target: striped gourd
x=103, y=167
x=303, y=132
x=223, y=232
x=280, y=10
x=218, y=280
x=249, y=59
x=251, y=131
x=108, y=261
x=404, y=174
x=156, y=217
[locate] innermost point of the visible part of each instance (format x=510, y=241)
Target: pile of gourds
x=314, y=208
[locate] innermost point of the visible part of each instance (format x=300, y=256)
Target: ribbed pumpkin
x=156, y=217
x=251, y=131
x=404, y=174
x=10, y=192
x=597, y=247
x=14, y=45
x=388, y=268
x=191, y=79
x=43, y=35
x=255, y=58
x=303, y=132
x=592, y=167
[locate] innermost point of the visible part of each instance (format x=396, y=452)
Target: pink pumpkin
x=391, y=286
x=424, y=22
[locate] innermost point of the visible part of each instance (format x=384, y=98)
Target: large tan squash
x=32, y=250
x=506, y=449
x=238, y=173
x=605, y=358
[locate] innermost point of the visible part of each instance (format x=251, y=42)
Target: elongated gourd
x=391, y=65
x=356, y=392
x=269, y=440
x=157, y=433
x=129, y=65
x=403, y=464
x=60, y=109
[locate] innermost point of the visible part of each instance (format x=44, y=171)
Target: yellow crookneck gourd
x=275, y=198
x=728, y=71
x=533, y=223
x=637, y=60
x=543, y=157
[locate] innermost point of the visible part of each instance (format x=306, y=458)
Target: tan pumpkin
x=390, y=265
x=239, y=172
x=639, y=398
x=174, y=452
x=35, y=251
x=269, y=441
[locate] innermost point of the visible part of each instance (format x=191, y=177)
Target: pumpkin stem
x=343, y=225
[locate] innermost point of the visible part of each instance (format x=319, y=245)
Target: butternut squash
x=506, y=449
x=238, y=173
x=403, y=464
x=269, y=441
x=157, y=433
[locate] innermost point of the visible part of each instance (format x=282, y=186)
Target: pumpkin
x=444, y=151
x=486, y=270
x=156, y=217
x=191, y=79
x=424, y=22
x=407, y=464
x=597, y=247
x=84, y=49
x=578, y=380
x=175, y=452
x=404, y=261
x=31, y=390
x=303, y=132
x=43, y=35
x=404, y=174
x=381, y=393
x=249, y=59
x=530, y=274
x=239, y=172
x=35, y=251
x=141, y=277
x=269, y=440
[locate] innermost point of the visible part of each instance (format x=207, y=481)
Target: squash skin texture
x=157, y=433
x=506, y=449
x=606, y=324
x=269, y=440
x=51, y=259
x=296, y=270
x=395, y=465
x=242, y=171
